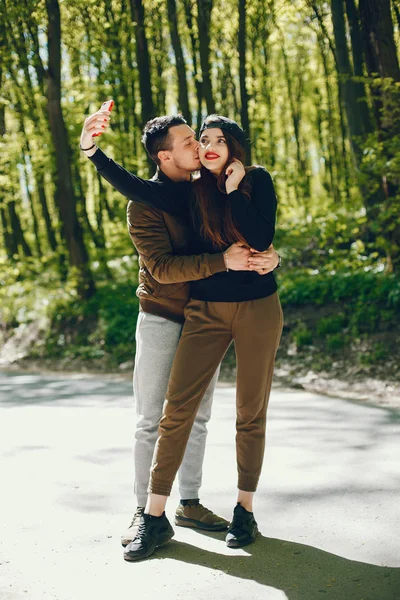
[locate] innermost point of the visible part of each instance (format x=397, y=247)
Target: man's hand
x=263, y=262
x=235, y=173
x=238, y=258
x=99, y=122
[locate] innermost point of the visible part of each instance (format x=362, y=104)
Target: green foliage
x=342, y=308
x=336, y=342
x=29, y=289
x=381, y=163
x=302, y=336
x=331, y=325
x=379, y=353
x=327, y=243
x=104, y=326
x=338, y=312
x=350, y=290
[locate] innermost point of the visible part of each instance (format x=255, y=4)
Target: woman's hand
x=263, y=262
x=237, y=258
x=98, y=123
x=235, y=173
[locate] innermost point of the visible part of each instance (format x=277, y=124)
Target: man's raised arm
x=128, y=184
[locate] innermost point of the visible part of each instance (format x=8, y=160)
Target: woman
x=231, y=204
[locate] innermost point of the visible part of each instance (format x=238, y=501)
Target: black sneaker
x=243, y=529
x=152, y=532
x=131, y=532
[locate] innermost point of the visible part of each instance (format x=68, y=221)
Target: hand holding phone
x=107, y=105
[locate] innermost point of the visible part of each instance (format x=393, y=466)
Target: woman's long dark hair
x=216, y=220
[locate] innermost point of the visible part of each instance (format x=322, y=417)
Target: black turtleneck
x=255, y=219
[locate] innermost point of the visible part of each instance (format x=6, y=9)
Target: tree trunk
x=9, y=242
x=143, y=61
x=204, y=8
x=333, y=152
x=64, y=194
x=16, y=229
x=397, y=13
x=351, y=92
x=377, y=24
x=302, y=183
x=35, y=222
x=244, y=111
x=143, y=65
x=29, y=29
x=183, y=98
x=268, y=101
x=12, y=230
x=120, y=80
x=194, y=48
x=158, y=58
x=103, y=199
x=51, y=236
x=27, y=154
x=358, y=62
x=376, y=18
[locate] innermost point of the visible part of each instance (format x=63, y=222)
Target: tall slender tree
x=353, y=93
x=188, y=6
x=183, y=97
x=244, y=97
x=64, y=193
x=143, y=66
x=143, y=61
x=204, y=8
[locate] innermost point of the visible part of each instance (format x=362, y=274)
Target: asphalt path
x=328, y=504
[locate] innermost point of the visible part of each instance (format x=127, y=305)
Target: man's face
x=185, y=148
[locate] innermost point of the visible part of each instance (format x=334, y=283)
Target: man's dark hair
x=156, y=134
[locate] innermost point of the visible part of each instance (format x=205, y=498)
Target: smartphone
x=107, y=105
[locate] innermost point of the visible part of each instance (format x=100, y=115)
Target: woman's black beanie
x=226, y=125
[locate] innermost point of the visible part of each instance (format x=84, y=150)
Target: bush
x=368, y=302
x=333, y=306
x=336, y=342
x=107, y=321
x=302, y=336
x=333, y=324
x=379, y=353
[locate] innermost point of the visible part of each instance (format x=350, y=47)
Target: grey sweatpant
x=156, y=343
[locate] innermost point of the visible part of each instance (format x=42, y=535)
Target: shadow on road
x=23, y=389
x=301, y=572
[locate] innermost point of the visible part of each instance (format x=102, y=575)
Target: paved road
x=328, y=504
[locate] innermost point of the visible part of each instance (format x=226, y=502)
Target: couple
x=215, y=232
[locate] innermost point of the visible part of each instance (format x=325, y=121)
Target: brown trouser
x=255, y=326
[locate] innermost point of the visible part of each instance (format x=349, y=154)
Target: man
x=161, y=239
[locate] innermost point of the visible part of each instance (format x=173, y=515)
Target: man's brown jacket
x=164, y=271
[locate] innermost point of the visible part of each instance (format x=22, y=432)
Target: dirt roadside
x=349, y=384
